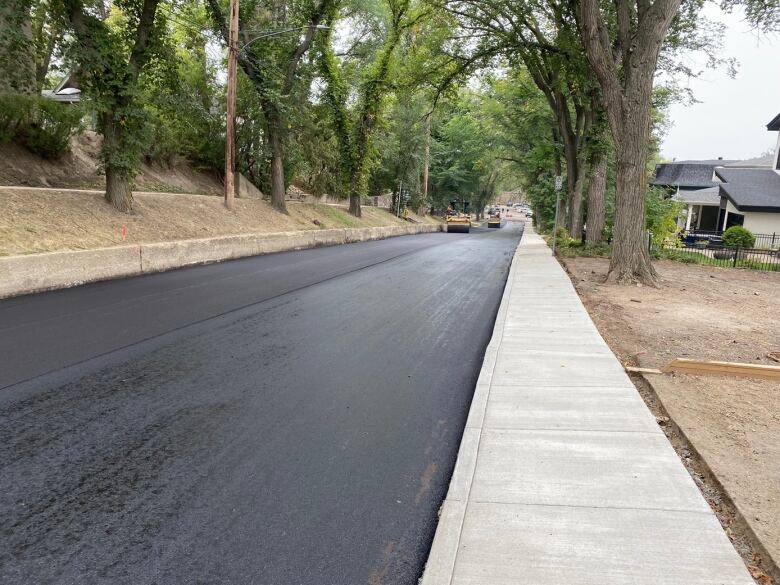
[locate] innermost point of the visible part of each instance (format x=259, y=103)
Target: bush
x=14, y=115
x=52, y=127
x=738, y=237
x=41, y=125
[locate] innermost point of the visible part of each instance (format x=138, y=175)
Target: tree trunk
x=570, y=154
x=630, y=261
x=354, y=203
x=278, y=188
x=626, y=87
x=119, y=189
x=118, y=179
x=575, y=205
x=427, y=157
x=598, y=183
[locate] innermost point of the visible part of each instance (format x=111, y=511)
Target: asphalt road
x=280, y=420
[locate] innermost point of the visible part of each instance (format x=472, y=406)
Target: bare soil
x=712, y=313
x=79, y=169
x=44, y=220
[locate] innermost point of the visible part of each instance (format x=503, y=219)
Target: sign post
x=558, y=185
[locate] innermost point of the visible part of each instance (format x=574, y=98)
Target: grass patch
x=338, y=216
x=569, y=248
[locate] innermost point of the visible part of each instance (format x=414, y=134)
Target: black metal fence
x=703, y=238
x=707, y=248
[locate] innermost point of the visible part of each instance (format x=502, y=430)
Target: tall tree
x=272, y=63
x=623, y=48
x=110, y=59
x=544, y=38
x=355, y=126
x=47, y=37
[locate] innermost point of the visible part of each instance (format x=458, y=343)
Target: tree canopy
x=435, y=99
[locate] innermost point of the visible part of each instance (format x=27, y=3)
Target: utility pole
x=230, y=126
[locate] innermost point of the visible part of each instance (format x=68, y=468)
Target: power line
x=182, y=21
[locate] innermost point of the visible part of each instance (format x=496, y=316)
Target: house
x=67, y=91
x=718, y=194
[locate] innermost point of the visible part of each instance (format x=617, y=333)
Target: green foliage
x=466, y=153
x=576, y=249
x=400, y=148
x=111, y=53
x=14, y=114
x=685, y=256
x=522, y=116
x=51, y=128
x=338, y=216
x=738, y=237
x=181, y=96
x=17, y=52
x=764, y=15
x=661, y=214
x=41, y=125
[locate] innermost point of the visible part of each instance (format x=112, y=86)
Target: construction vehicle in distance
x=494, y=219
x=458, y=217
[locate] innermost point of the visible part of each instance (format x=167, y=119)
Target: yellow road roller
x=494, y=220
x=458, y=217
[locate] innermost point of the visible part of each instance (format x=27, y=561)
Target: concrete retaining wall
x=37, y=272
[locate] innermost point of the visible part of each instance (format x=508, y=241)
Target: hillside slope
x=79, y=169
x=58, y=205
x=45, y=220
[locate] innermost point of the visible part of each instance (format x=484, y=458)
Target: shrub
x=661, y=214
x=41, y=125
x=738, y=237
x=52, y=127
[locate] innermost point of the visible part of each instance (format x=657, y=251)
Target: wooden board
x=688, y=366
x=634, y=370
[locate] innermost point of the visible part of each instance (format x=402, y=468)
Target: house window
x=734, y=219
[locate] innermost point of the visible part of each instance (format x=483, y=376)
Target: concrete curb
x=31, y=273
x=440, y=565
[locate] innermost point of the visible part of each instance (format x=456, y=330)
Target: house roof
x=685, y=174
x=699, y=173
x=751, y=189
x=706, y=196
x=774, y=124
x=66, y=91
x=759, y=161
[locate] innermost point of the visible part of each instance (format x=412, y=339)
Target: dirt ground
x=43, y=220
x=707, y=313
x=79, y=169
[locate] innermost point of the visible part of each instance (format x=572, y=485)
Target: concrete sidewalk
x=563, y=476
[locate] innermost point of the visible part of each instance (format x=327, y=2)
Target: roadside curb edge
x=440, y=564
x=31, y=273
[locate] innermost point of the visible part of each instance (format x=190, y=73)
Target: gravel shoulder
x=705, y=313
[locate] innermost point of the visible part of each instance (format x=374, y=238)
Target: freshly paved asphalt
x=281, y=420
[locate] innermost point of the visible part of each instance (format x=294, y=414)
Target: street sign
x=558, y=182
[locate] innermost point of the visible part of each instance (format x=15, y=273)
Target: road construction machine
x=458, y=217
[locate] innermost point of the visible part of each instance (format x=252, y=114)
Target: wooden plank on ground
x=635, y=370
x=689, y=366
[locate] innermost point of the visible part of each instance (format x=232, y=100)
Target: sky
x=730, y=120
